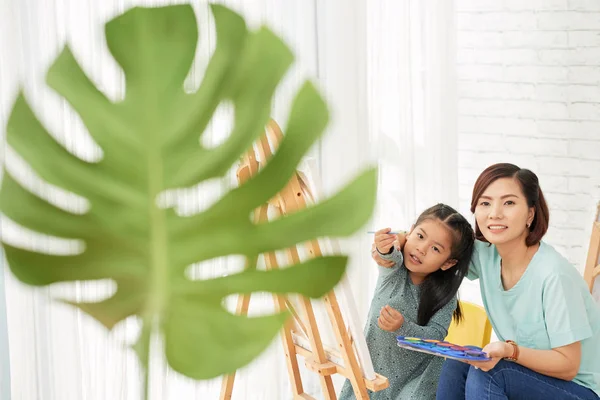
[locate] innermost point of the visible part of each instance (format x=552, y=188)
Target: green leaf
x=150, y=142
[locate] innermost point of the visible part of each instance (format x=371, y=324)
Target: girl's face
x=502, y=213
x=428, y=248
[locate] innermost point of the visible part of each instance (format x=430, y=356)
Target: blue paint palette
x=442, y=349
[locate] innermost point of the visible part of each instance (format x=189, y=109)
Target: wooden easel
x=301, y=336
x=592, y=265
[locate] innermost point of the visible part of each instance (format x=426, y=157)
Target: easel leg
x=227, y=384
x=348, y=354
x=286, y=336
x=326, y=381
x=313, y=334
x=291, y=361
x=341, y=333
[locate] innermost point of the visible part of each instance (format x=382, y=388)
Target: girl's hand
x=380, y=261
x=497, y=351
x=384, y=241
x=390, y=319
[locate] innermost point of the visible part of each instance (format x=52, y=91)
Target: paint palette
x=442, y=349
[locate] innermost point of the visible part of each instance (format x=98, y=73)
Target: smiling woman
x=504, y=190
x=538, y=304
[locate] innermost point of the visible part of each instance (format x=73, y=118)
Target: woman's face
x=502, y=213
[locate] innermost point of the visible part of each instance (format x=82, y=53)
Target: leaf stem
x=143, y=348
x=146, y=382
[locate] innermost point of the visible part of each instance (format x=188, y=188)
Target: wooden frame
x=301, y=336
x=592, y=266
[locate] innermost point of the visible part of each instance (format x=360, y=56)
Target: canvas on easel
x=592, y=265
x=345, y=352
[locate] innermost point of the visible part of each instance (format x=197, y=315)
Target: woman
x=540, y=308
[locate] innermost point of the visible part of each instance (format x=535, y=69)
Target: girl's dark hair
x=530, y=186
x=440, y=286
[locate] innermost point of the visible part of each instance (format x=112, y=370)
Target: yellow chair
x=475, y=329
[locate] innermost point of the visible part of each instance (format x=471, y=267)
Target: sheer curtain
x=387, y=70
x=412, y=81
x=4, y=359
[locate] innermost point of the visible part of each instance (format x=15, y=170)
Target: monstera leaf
x=151, y=142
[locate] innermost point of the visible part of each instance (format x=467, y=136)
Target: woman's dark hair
x=440, y=286
x=530, y=186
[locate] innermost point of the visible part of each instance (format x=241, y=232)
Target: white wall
x=529, y=93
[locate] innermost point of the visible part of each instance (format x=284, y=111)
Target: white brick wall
x=529, y=93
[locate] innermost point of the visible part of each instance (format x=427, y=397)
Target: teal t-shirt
x=549, y=307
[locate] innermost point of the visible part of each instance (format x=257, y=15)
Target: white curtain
x=387, y=70
x=4, y=359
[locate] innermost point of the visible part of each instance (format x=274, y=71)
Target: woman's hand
x=390, y=319
x=380, y=261
x=496, y=351
x=400, y=240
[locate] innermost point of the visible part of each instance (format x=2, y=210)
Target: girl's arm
x=387, y=248
x=392, y=320
x=433, y=330
x=395, y=256
x=382, y=262
x=436, y=328
x=394, y=268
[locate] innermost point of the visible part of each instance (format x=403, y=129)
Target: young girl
x=416, y=296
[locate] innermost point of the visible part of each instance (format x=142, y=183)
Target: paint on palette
x=442, y=349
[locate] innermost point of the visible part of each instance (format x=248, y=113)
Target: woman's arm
x=561, y=362
x=566, y=324
x=481, y=250
x=382, y=262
